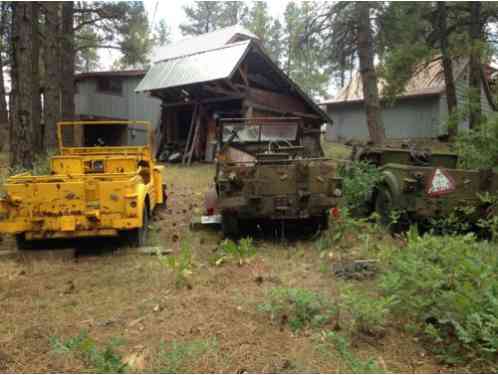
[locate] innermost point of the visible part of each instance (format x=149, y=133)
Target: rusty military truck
x=103, y=182
x=272, y=169
x=419, y=184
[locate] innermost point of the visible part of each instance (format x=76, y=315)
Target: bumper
x=278, y=207
x=68, y=226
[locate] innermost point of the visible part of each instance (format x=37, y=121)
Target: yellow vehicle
x=104, y=182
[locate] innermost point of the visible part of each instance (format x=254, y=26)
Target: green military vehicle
x=271, y=169
x=420, y=184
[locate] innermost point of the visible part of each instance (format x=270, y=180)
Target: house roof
x=200, y=43
x=428, y=80
x=110, y=73
x=202, y=66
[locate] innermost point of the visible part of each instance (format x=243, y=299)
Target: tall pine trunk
x=451, y=98
x=52, y=105
x=368, y=75
x=4, y=114
x=475, y=64
x=68, y=59
x=35, y=80
x=22, y=115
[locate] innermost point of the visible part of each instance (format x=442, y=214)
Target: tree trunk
x=4, y=114
x=68, y=60
x=451, y=98
x=368, y=75
x=22, y=116
x=475, y=64
x=51, y=93
x=35, y=80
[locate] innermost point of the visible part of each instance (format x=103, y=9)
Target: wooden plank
x=196, y=135
x=190, y=132
x=283, y=112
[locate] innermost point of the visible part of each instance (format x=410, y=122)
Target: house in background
x=420, y=112
x=224, y=73
x=111, y=96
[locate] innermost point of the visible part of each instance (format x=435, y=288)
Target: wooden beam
x=243, y=74
x=216, y=89
x=282, y=111
x=190, y=132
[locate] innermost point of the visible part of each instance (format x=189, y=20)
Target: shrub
x=449, y=285
x=478, y=148
x=298, y=307
x=368, y=314
x=173, y=359
x=354, y=364
x=242, y=251
x=85, y=348
x=359, y=181
x=181, y=264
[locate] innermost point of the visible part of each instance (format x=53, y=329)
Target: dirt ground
x=118, y=293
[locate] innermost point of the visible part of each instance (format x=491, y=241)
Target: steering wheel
x=275, y=143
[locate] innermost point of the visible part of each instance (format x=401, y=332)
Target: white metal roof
x=214, y=64
x=204, y=42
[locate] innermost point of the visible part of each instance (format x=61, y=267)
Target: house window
x=110, y=85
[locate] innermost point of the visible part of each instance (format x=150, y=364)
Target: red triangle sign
x=440, y=183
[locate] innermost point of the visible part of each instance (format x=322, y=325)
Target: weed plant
x=298, y=307
x=105, y=360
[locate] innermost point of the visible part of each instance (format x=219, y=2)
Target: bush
x=359, y=181
x=368, y=314
x=449, y=285
x=298, y=307
x=478, y=148
x=85, y=348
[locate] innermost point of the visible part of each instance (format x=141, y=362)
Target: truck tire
x=384, y=205
x=230, y=225
x=22, y=243
x=138, y=237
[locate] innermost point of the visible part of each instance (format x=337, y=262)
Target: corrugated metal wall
x=409, y=118
x=129, y=105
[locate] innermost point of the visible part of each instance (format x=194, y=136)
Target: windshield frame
x=144, y=124
x=260, y=123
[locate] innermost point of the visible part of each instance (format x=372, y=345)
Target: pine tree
x=162, y=33
x=202, y=17
x=305, y=60
x=233, y=13
x=348, y=32
x=137, y=41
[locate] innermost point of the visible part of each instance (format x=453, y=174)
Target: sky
x=172, y=12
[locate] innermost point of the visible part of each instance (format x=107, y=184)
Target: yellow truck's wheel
x=22, y=243
x=138, y=237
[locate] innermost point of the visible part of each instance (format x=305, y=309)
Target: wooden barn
x=223, y=73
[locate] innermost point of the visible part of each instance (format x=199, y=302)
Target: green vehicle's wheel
x=230, y=225
x=138, y=237
x=321, y=222
x=384, y=205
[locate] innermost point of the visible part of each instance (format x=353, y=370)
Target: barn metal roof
x=203, y=42
x=205, y=66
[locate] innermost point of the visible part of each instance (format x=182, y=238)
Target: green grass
x=336, y=150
